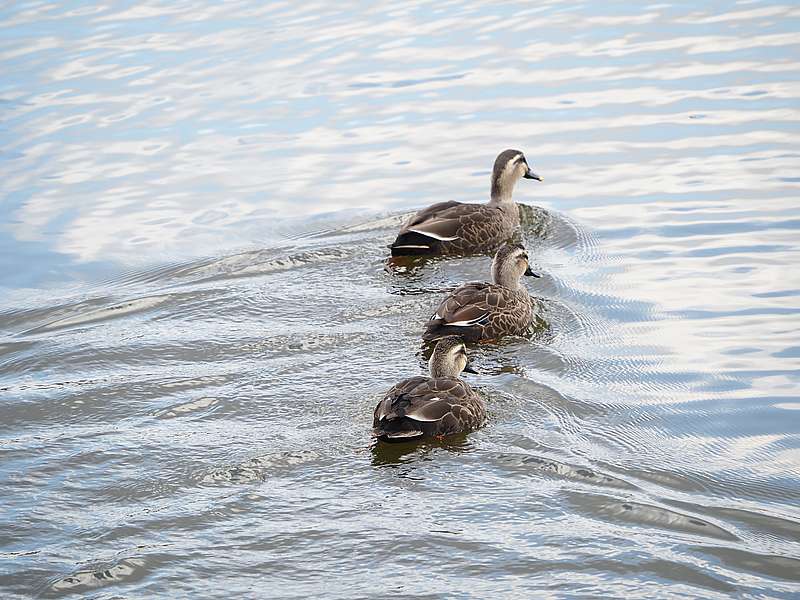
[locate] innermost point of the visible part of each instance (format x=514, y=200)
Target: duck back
x=427, y=407
x=481, y=311
x=451, y=228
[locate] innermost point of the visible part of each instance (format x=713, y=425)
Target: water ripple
x=197, y=317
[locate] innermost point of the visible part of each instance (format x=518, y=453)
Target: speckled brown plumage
x=428, y=406
x=495, y=311
x=478, y=229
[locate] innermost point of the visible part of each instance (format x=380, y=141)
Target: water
x=195, y=319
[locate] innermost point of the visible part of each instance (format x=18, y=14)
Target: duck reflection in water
x=404, y=453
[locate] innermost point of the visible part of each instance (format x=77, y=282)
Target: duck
x=435, y=406
x=453, y=228
x=482, y=311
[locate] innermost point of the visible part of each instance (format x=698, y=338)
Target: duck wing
x=453, y=228
x=439, y=221
x=448, y=221
x=429, y=229
x=470, y=304
x=388, y=407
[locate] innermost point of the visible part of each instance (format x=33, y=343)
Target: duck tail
x=411, y=243
x=398, y=430
x=437, y=328
x=434, y=330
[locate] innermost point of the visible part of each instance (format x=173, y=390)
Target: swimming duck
x=456, y=228
x=439, y=405
x=486, y=311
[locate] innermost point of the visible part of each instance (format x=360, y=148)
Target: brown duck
x=487, y=311
x=438, y=405
x=452, y=227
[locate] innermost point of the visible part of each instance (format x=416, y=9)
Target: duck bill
x=531, y=175
x=468, y=368
x=530, y=273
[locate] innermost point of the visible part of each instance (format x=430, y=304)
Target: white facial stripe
x=512, y=165
x=512, y=256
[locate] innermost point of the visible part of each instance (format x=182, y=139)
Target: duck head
x=509, y=167
x=510, y=263
x=449, y=358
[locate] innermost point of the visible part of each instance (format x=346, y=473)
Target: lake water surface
x=196, y=321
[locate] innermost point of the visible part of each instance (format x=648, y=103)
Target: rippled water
x=195, y=319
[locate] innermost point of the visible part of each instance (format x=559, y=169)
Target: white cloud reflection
x=304, y=109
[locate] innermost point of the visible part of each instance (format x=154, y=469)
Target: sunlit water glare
x=196, y=322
